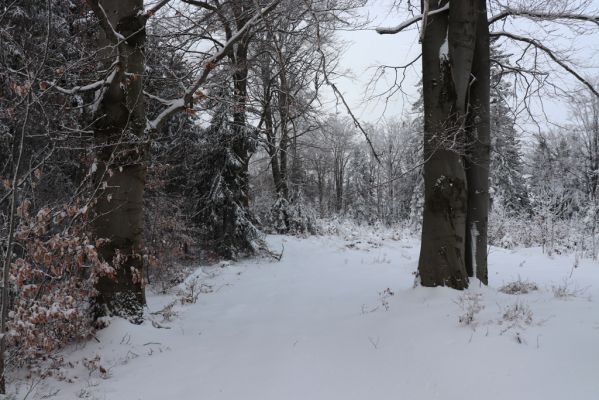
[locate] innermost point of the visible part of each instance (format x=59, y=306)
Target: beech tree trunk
x=242, y=12
x=272, y=150
x=120, y=125
x=338, y=172
x=240, y=143
x=456, y=144
x=478, y=156
x=284, y=144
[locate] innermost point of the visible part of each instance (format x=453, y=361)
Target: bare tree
x=455, y=58
x=122, y=130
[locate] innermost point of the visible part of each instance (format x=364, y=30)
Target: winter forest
x=299, y=199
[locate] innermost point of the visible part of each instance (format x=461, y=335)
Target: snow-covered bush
x=193, y=288
x=291, y=218
x=519, y=286
x=554, y=235
x=566, y=289
x=470, y=304
x=516, y=316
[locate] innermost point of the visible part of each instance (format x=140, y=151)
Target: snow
x=338, y=318
x=444, y=50
x=474, y=238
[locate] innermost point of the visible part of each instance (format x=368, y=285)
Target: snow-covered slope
x=338, y=318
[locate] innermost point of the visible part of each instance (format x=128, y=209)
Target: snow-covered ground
x=339, y=318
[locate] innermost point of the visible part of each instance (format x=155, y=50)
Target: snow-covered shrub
x=383, y=296
x=566, y=289
x=507, y=230
x=519, y=286
x=470, y=304
x=554, y=235
x=291, y=218
x=516, y=316
x=344, y=227
x=192, y=290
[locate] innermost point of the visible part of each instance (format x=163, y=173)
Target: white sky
x=367, y=49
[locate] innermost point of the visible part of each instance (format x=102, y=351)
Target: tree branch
x=211, y=63
x=511, y=12
x=336, y=91
x=405, y=24
x=551, y=55
x=202, y=4
x=153, y=10
x=86, y=88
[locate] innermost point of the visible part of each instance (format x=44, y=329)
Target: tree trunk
x=284, y=144
x=447, y=53
x=272, y=148
x=242, y=11
x=271, y=136
x=478, y=159
x=240, y=144
x=339, y=177
x=594, y=151
x=321, y=183
x=121, y=167
x=231, y=239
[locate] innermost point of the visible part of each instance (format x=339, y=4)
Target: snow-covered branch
x=517, y=70
x=396, y=29
x=547, y=16
x=157, y=98
x=209, y=65
x=85, y=88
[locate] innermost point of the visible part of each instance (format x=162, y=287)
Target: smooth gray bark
x=456, y=124
x=478, y=155
x=121, y=158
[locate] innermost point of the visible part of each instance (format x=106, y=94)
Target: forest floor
x=339, y=318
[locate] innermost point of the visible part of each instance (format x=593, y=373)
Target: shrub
x=51, y=282
x=470, y=303
x=518, y=287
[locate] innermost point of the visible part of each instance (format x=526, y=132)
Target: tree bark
x=478, y=157
x=321, y=182
x=239, y=58
x=272, y=149
x=447, y=53
x=284, y=144
x=121, y=159
x=339, y=179
x=269, y=128
x=236, y=175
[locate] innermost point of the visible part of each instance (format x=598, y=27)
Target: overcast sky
x=366, y=50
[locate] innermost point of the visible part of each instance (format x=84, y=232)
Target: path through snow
x=338, y=318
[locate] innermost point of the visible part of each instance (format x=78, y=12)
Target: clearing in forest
x=339, y=318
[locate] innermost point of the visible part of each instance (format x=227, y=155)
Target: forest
x=210, y=199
